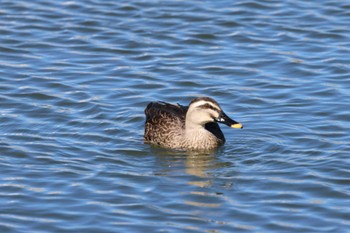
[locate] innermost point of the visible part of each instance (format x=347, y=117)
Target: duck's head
x=203, y=110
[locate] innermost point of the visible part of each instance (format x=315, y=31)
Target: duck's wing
x=156, y=110
x=163, y=120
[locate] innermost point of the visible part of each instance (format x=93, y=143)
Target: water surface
x=75, y=77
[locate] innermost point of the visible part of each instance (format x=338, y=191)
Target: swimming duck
x=192, y=127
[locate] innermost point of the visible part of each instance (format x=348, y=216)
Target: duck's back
x=165, y=124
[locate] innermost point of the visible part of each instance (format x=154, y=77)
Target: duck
x=192, y=127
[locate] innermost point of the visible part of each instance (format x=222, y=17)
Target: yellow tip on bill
x=237, y=126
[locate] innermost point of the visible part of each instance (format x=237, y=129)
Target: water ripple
x=76, y=77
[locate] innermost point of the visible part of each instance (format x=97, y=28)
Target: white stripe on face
x=203, y=103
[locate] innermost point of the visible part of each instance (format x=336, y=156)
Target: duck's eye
x=220, y=119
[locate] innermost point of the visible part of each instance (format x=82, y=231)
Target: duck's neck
x=197, y=137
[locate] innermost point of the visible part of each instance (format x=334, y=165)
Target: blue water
x=75, y=77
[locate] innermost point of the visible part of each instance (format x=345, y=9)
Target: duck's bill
x=237, y=126
x=223, y=118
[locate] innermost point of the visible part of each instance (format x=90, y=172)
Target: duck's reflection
x=202, y=174
x=196, y=165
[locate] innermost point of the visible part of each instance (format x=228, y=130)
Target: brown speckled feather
x=164, y=123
